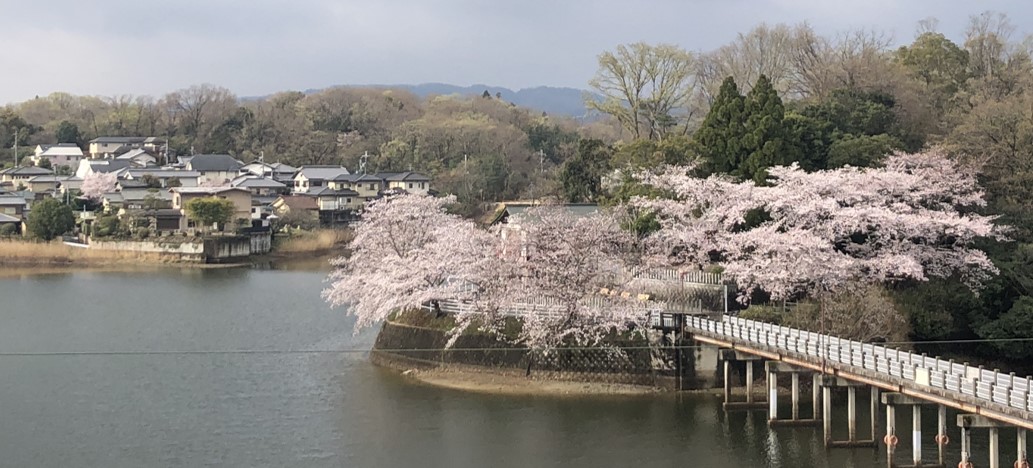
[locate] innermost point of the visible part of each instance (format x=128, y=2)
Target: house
x=59, y=155
x=103, y=166
x=367, y=186
x=44, y=183
x=20, y=175
x=138, y=158
x=410, y=182
x=240, y=197
x=277, y=171
x=215, y=169
x=13, y=205
x=315, y=177
x=296, y=207
x=164, y=177
x=107, y=147
x=14, y=222
x=260, y=186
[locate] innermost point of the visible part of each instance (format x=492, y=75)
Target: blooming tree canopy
x=549, y=265
x=96, y=184
x=408, y=251
x=821, y=231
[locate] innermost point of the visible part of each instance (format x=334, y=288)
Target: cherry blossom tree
x=96, y=184
x=547, y=268
x=565, y=262
x=408, y=251
x=814, y=233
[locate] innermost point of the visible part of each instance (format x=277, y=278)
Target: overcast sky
x=256, y=47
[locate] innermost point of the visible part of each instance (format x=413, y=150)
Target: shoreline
x=486, y=382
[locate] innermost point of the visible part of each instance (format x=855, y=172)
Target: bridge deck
x=1000, y=396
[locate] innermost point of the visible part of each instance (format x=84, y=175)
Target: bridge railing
x=991, y=386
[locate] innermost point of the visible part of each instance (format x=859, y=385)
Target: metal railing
x=989, y=386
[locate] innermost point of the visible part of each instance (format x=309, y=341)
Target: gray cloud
x=255, y=47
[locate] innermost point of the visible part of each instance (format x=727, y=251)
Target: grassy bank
x=313, y=243
x=28, y=253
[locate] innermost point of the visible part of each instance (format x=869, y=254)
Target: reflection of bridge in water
x=986, y=399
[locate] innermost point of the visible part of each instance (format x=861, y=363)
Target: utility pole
x=541, y=162
x=16, y=146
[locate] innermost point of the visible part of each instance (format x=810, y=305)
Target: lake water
x=227, y=368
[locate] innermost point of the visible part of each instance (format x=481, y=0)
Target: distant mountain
x=552, y=100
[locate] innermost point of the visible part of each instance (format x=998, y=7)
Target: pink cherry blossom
x=96, y=184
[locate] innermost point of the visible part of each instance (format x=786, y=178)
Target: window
x=410, y=184
x=317, y=184
x=421, y=184
x=349, y=201
x=371, y=187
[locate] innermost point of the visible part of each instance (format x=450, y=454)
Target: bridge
x=987, y=399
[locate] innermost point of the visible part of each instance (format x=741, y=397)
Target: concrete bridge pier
x=828, y=382
x=773, y=368
x=968, y=422
x=750, y=403
x=892, y=401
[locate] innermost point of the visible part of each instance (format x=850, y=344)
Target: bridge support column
x=967, y=422
x=995, y=455
x=750, y=404
x=966, y=444
x=826, y=414
x=891, y=433
x=941, y=434
x=749, y=382
x=852, y=441
x=875, y=412
x=1020, y=445
x=796, y=395
x=851, y=412
x=916, y=434
x=816, y=397
x=728, y=383
x=773, y=369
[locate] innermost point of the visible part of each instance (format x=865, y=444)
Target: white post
x=826, y=393
x=941, y=433
x=875, y=412
x=851, y=411
x=749, y=381
x=772, y=396
x=816, y=397
x=1020, y=446
x=796, y=396
x=995, y=455
x=891, y=432
x=728, y=383
x=916, y=434
x=966, y=442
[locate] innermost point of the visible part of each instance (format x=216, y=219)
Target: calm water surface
x=154, y=388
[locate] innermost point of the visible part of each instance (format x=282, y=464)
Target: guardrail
x=990, y=386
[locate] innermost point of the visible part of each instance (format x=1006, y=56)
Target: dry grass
x=20, y=252
x=318, y=241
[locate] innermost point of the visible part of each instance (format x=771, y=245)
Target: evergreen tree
x=765, y=140
x=720, y=137
x=582, y=175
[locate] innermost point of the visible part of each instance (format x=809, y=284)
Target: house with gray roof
x=12, y=204
x=103, y=166
x=410, y=182
x=164, y=176
x=277, y=171
x=309, y=177
x=61, y=154
x=215, y=169
x=20, y=175
x=260, y=186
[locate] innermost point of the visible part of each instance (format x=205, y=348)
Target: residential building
x=276, y=171
x=215, y=169
x=16, y=176
x=260, y=186
x=103, y=166
x=316, y=177
x=410, y=182
x=59, y=155
x=297, y=207
x=138, y=158
x=240, y=197
x=13, y=205
x=109, y=147
x=165, y=177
